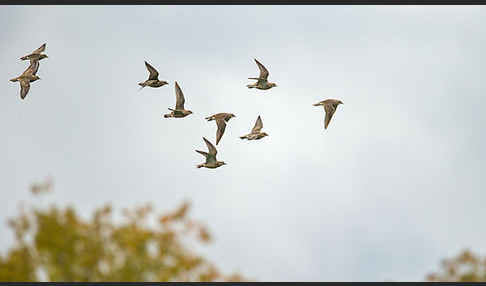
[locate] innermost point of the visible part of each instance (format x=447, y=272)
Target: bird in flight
x=179, y=110
x=211, y=161
x=153, y=79
x=330, y=106
x=28, y=76
x=256, y=133
x=36, y=55
x=262, y=82
x=221, y=119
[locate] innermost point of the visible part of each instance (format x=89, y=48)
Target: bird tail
x=24, y=58
x=316, y=104
x=243, y=137
x=14, y=79
x=142, y=85
x=209, y=118
x=250, y=86
x=200, y=166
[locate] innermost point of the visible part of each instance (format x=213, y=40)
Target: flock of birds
x=262, y=83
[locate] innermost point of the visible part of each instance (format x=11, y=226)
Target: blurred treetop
x=466, y=267
x=55, y=244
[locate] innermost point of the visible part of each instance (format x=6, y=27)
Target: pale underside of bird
x=153, y=79
x=28, y=76
x=221, y=119
x=179, y=110
x=330, y=106
x=262, y=82
x=211, y=161
x=36, y=55
x=256, y=133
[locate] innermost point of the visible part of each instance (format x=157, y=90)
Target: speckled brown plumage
x=36, y=55
x=28, y=76
x=211, y=161
x=262, y=82
x=153, y=79
x=256, y=133
x=179, y=111
x=221, y=119
x=330, y=106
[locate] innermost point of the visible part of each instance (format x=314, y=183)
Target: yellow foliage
x=56, y=244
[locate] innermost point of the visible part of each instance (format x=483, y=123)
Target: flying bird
x=256, y=133
x=179, y=110
x=330, y=106
x=221, y=119
x=28, y=76
x=211, y=161
x=36, y=55
x=153, y=79
x=262, y=82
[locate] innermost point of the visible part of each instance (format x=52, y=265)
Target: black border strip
x=242, y=2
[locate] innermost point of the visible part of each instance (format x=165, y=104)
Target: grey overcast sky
x=391, y=187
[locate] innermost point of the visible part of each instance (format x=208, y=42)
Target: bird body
x=256, y=133
x=221, y=119
x=330, y=106
x=179, y=111
x=28, y=76
x=153, y=80
x=36, y=55
x=262, y=82
x=211, y=161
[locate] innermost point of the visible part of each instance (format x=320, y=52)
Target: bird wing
x=40, y=49
x=212, y=150
x=154, y=74
x=330, y=109
x=24, y=88
x=34, y=66
x=31, y=69
x=179, y=97
x=258, y=125
x=263, y=70
x=205, y=154
x=221, y=127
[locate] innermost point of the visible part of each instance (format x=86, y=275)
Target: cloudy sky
x=391, y=187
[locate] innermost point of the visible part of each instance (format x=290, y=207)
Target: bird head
x=35, y=77
x=232, y=115
x=340, y=102
x=273, y=84
x=221, y=163
x=264, y=134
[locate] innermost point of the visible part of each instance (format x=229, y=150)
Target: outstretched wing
x=212, y=150
x=330, y=109
x=205, y=154
x=24, y=88
x=258, y=125
x=40, y=49
x=179, y=97
x=221, y=127
x=154, y=74
x=263, y=70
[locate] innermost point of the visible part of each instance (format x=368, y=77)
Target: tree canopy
x=56, y=244
x=465, y=267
